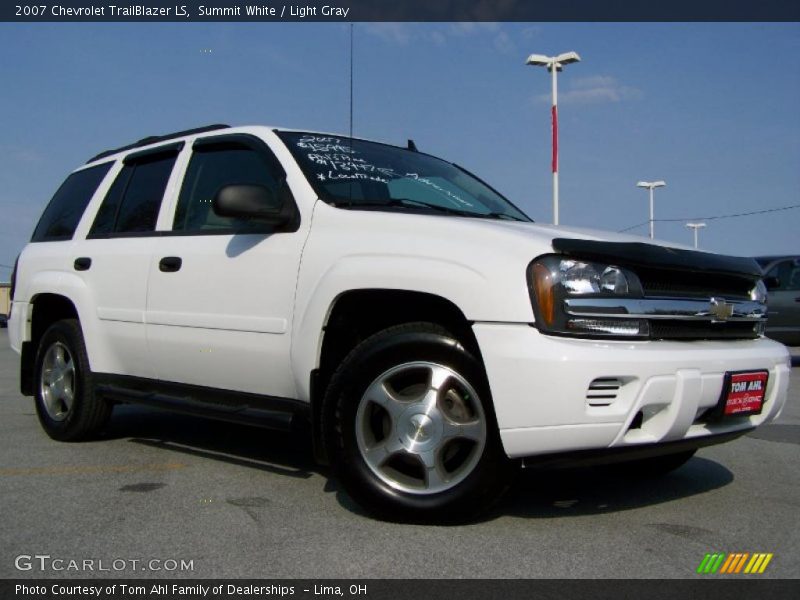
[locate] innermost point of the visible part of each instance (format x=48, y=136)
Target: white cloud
x=530, y=32
x=402, y=34
x=21, y=154
x=397, y=33
x=503, y=42
x=467, y=28
x=594, y=89
x=438, y=38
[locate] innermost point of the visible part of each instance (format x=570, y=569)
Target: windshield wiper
x=455, y=211
x=446, y=209
x=402, y=203
x=498, y=215
x=410, y=203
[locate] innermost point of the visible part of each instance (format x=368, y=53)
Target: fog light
x=621, y=327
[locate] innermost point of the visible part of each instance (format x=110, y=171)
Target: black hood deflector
x=650, y=255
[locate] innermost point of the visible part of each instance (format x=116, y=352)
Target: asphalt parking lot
x=241, y=502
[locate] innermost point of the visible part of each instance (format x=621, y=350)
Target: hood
x=635, y=250
x=546, y=233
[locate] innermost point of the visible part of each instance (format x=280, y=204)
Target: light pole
x=651, y=185
x=695, y=226
x=554, y=64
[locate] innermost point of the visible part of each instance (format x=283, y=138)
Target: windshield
x=352, y=173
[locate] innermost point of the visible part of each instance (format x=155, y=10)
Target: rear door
x=115, y=258
x=221, y=290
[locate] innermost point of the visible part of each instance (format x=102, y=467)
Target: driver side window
x=211, y=168
x=788, y=274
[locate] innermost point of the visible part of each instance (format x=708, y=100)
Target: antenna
x=351, y=81
x=350, y=154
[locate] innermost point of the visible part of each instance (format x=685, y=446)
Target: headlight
x=580, y=277
x=759, y=292
x=553, y=279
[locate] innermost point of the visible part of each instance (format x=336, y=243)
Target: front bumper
x=541, y=388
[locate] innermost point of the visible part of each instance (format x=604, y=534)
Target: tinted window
x=107, y=214
x=61, y=216
x=132, y=203
x=788, y=275
x=210, y=170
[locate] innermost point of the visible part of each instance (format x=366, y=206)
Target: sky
x=711, y=108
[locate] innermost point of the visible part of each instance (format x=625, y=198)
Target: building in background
x=5, y=302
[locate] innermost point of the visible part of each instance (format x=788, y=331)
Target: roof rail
x=152, y=139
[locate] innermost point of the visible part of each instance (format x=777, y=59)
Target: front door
x=221, y=290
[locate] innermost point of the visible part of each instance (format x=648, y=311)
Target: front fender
x=371, y=271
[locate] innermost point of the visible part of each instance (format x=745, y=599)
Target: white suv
x=433, y=336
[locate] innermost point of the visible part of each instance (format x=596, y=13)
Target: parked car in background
x=782, y=276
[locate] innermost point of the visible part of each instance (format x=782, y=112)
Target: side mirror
x=772, y=282
x=256, y=202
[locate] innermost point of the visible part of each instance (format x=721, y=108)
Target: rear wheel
x=66, y=404
x=411, y=429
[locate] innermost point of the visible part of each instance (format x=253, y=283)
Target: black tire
x=87, y=413
x=656, y=466
x=482, y=478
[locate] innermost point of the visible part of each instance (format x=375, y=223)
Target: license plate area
x=743, y=393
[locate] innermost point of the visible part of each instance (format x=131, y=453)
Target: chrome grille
x=698, y=318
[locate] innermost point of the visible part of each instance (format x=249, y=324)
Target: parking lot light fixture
x=554, y=64
x=651, y=185
x=695, y=227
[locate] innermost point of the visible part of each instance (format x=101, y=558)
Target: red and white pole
x=554, y=116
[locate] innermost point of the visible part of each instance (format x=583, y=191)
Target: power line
x=713, y=218
x=6, y=266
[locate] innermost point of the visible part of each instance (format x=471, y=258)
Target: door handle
x=170, y=264
x=82, y=264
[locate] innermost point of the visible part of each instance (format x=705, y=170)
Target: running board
x=267, y=412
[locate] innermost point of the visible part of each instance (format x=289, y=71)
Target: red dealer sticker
x=745, y=393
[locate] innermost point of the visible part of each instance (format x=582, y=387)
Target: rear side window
x=133, y=201
x=61, y=216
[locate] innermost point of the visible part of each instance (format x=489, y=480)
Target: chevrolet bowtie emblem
x=720, y=309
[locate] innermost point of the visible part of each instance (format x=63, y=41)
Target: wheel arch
x=45, y=309
x=354, y=315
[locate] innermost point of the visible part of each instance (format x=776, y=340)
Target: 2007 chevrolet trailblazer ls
x=432, y=335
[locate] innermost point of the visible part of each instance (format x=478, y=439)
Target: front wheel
x=411, y=430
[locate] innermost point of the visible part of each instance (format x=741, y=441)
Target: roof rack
x=152, y=139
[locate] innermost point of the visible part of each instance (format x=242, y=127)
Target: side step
x=280, y=414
